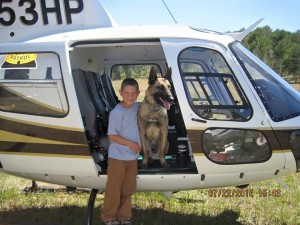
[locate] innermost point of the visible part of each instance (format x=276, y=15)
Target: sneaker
x=127, y=222
x=113, y=222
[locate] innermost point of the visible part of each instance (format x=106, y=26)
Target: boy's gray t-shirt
x=123, y=121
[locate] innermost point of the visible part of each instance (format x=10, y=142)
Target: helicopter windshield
x=280, y=99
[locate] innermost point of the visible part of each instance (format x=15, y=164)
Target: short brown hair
x=129, y=81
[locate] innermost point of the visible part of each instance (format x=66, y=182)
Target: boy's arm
x=135, y=147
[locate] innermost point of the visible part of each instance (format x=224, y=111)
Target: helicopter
x=234, y=120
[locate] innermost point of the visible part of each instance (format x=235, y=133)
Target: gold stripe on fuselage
x=13, y=137
x=41, y=124
x=46, y=155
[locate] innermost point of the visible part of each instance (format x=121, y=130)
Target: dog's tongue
x=166, y=105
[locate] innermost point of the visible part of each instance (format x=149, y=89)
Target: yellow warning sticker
x=25, y=60
x=20, y=58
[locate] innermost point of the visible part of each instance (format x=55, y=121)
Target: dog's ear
x=152, y=76
x=168, y=74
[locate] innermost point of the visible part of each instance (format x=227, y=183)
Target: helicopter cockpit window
x=233, y=146
x=212, y=90
x=281, y=101
x=31, y=83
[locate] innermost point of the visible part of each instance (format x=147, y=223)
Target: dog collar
x=155, y=107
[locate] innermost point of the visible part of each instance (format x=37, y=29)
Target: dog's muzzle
x=167, y=103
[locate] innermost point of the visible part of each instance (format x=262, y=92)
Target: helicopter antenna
x=169, y=11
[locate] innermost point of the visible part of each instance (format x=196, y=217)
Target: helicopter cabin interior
x=98, y=70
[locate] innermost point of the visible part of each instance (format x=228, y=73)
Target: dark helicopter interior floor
x=176, y=165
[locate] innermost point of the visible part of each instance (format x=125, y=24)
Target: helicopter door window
x=191, y=67
x=233, y=146
x=31, y=83
x=211, y=88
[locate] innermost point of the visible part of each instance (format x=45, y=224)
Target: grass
x=296, y=86
x=185, y=207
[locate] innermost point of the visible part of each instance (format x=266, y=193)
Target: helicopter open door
x=41, y=129
x=227, y=127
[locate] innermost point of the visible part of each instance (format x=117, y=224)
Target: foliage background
x=279, y=49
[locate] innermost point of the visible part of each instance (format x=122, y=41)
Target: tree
x=279, y=49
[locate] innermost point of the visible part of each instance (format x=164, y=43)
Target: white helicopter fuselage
x=236, y=120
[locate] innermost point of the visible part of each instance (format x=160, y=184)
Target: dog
x=153, y=118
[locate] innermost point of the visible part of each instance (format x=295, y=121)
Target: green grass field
x=57, y=207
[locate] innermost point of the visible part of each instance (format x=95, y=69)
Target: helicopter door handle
x=198, y=120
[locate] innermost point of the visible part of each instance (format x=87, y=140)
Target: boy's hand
x=135, y=147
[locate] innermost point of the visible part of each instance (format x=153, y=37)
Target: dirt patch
x=296, y=86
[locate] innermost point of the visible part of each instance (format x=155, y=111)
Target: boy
x=123, y=151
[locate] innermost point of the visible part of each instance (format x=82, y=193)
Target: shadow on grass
x=77, y=216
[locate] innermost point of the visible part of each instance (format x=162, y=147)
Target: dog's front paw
x=164, y=163
x=144, y=165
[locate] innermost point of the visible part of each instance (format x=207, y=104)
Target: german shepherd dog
x=153, y=118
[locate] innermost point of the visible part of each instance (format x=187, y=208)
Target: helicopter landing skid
x=90, y=206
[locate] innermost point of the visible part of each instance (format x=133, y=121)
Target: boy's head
x=129, y=91
x=129, y=81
